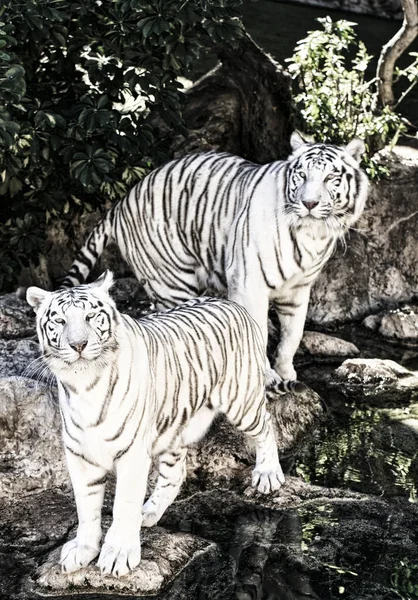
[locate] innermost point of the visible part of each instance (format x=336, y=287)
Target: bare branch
x=393, y=50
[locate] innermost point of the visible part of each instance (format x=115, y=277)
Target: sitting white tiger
x=261, y=233
x=130, y=390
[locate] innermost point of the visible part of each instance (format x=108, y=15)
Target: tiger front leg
x=121, y=551
x=267, y=475
x=88, y=482
x=292, y=315
x=257, y=305
x=255, y=421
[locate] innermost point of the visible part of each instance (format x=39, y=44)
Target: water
x=366, y=449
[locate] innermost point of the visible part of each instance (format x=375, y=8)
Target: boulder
x=130, y=297
x=321, y=345
x=220, y=544
x=21, y=357
x=17, y=319
x=373, y=378
x=372, y=322
x=165, y=556
x=379, y=267
x=400, y=324
x=30, y=438
x=242, y=106
x=372, y=371
x=307, y=550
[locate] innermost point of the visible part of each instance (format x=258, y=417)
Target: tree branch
x=393, y=50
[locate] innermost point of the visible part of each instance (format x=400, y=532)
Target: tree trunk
x=242, y=106
x=394, y=49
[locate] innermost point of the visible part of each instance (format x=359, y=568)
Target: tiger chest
x=97, y=448
x=89, y=432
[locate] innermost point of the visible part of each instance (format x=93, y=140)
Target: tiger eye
x=331, y=176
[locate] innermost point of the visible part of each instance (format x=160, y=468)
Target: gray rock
x=322, y=344
x=285, y=549
x=307, y=549
x=401, y=324
x=374, y=371
x=380, y=264
x=30, y=438
x=372, y=322
x=17, y=319
x=20, y=357
x=38, y=521
x=164, y=556
x=33, y=528
x=373, y=378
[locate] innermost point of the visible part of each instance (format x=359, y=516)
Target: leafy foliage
x=336, y=101
x=82, y=85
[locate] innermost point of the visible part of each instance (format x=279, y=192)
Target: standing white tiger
x=130, y=390
x=261, y=233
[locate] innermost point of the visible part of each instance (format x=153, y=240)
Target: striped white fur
x=132, y=390
x=260, y=233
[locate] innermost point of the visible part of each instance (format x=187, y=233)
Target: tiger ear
x=297, y=140
x=356, y=149
x=35, y=296
x=104, y=282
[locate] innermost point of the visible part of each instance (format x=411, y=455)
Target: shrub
x=82, y=85
x=335, y=100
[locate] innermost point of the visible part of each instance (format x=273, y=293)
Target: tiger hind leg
x=172, y=472
x=172, y=467
x=267, y=475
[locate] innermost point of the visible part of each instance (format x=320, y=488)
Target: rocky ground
x=344, y=524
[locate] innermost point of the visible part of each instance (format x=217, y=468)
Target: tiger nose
x=78, y=347
x=310, y=204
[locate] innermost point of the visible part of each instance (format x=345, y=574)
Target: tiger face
x=75, y=326
x=325, y=186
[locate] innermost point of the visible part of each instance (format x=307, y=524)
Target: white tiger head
x=76, y=326
x=325, y=185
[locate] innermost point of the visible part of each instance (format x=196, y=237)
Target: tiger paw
x=272, y=379
x=268, y=481
x=75, y=556
x=285, y=370
x=150, y=514
x=150, y=518
x=118, y=560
